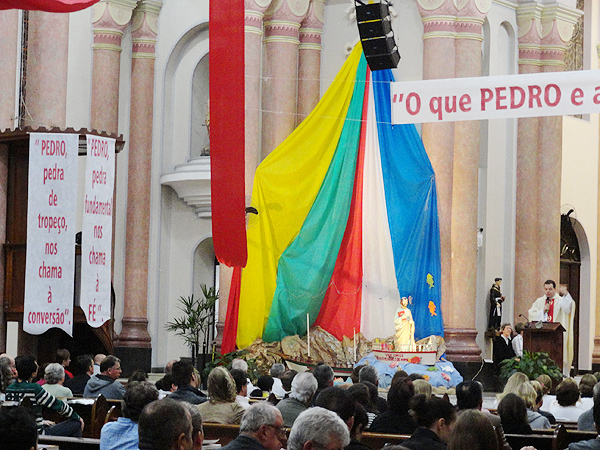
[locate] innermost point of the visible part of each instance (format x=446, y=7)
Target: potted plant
x=197, y=320
x=532, y=364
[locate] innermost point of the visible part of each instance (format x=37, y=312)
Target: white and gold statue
x=404, y=338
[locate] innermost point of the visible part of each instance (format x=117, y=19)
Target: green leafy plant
x=197, y=320
x=532, y=364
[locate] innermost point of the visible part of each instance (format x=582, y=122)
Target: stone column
x=133, y=344
x=309, y=61
x=280, y=74
x=9, y=51
x=47, y=57
x=439, y=20
x=543, y=38
x=461, y=330
x=109, y=19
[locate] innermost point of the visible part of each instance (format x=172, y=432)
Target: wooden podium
x=548, y=338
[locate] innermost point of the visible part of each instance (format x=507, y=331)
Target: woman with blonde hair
x=535, y=420
x=513, y=383
x=221, y=406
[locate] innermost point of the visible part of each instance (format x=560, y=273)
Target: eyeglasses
x=281, y=432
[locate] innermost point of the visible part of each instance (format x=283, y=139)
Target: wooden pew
x=541, y=441
x=376, y=441
x=69, y=443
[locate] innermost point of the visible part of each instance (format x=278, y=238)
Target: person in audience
x=359, y=424
x=469, y=396
x=165, y=425
x=242, y=365
x=586, y=385
x=324, y=375
x=318, y=428
x=546, y=383
x=8, y=371
x=277, y=371
x=221, y=406
x=416, y=376
x=435, y=418
x=539, y=402
x=513, y=383
x=369, y=374
x=338, y=400
x=529, y=396
x=261, y=429
x=241, y=387
x=286, y=381
x=360, y=393
x=55, y=377
x=137, y=376
x=354, y=376
x=592, y=444
x=97, y=361
x=422, y=387
x=18, y=430
x=473, y=431
x=123, y=434
x=83, y=371
x=304, y=387
x=197, y=430
x=163, y=384
x=105, y=382
x=27, y=368
x=42, y=369
x=567, y=396
x=187, y=383
x=264, y=385
x=513, y=413
x=397, y=419
x=166, y=382
x=63, y=357
x=585, y=422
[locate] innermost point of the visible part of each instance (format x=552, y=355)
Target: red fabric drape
x=233, y=305
x=226, y=79
x=55, y=6
x=340, y=310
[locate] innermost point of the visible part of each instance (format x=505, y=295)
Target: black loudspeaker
x=375, y=30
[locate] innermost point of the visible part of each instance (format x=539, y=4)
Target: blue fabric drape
x=410, y=194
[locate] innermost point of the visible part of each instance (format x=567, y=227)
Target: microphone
x=527, y=325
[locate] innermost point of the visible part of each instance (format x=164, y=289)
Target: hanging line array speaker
x=375, y=29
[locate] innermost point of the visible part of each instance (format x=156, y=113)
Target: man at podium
x=551, y=307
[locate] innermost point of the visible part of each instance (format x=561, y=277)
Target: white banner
x=497, y=97
x=51, y=213
x=96, y=235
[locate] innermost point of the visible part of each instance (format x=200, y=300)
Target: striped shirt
x=39, y=398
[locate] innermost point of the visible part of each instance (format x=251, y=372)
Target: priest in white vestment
x=551, y=307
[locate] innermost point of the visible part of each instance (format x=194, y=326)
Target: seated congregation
x=297, y=411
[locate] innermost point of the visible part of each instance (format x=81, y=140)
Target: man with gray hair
x=370, y=374
x=318, y=428
x=276, y=372
x=304, y=386
x=261, y=429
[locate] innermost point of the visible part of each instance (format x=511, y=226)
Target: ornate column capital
x=254, y=11
x=144, y=29
x=545, y=32
x=311, y=27
x=461, y=19
x=282, y=20
x=109, y=19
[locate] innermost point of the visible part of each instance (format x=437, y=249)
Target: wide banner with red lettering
x=51, y=213
x=96, y=231
x=497, y=97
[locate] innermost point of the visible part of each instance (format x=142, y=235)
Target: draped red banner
x=55, y=6
x=227, y=116
x=233, y=306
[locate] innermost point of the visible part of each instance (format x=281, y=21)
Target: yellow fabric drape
x=286, y=184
